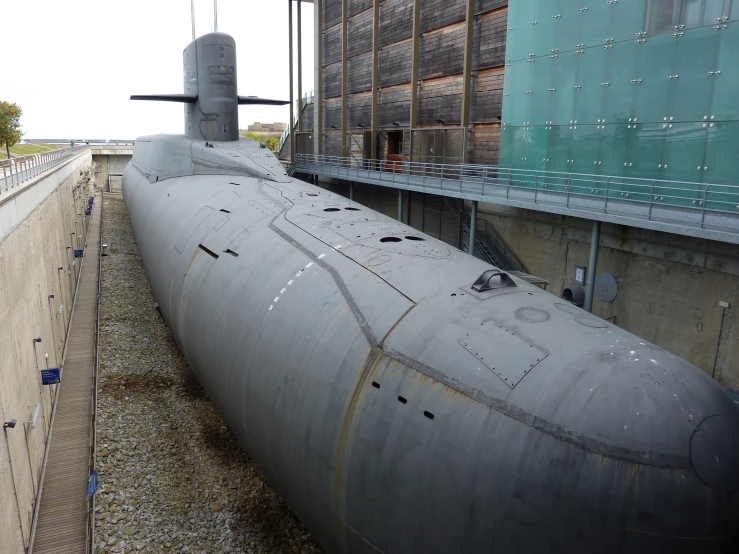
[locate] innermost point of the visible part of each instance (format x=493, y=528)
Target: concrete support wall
x=669, y=286
x=30, y=257
x=105, y=164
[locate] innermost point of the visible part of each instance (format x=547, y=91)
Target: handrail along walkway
x=703, y=210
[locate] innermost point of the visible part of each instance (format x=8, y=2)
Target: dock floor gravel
x=172, y=478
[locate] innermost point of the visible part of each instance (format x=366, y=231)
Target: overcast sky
x=72, y=64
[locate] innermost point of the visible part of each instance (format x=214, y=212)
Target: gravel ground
x=172, y=478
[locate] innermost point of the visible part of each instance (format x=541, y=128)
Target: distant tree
x=10, y=125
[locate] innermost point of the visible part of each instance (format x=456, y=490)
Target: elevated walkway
x=702, y=210
x=63, y=523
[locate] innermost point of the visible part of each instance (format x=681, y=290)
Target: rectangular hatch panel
x=505, y=353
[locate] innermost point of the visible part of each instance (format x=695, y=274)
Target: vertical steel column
x=400, y=205
x=318, y=79
x=592, y=264
x=467, y=76
x=375, y=74
x=300, y=66
x=473, y=226
x=344, y=87
x=291, y=128
x=351, y=191
x=414, y=63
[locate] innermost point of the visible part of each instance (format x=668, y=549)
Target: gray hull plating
x=397, y=410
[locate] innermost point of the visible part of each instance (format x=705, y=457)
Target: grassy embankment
x=27, y=149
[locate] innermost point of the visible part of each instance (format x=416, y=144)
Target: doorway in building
x=394, y=143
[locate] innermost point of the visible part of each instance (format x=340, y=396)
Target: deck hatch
x=507, y=354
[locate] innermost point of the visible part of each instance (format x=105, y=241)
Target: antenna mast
x=215, y=16
x=192, y=17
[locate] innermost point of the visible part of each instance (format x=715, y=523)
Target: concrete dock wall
x=38, y=222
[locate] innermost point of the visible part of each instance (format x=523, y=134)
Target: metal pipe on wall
x=592, y=264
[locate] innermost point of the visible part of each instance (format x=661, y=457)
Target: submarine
x=401, y=395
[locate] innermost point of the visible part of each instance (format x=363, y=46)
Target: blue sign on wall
x=79, y=253
x=50, y=376
x=92, y=484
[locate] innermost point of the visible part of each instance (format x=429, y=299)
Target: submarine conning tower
x=209, y=64
x=210, y=93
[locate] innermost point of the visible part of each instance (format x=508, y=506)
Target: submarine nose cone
x=714, y=452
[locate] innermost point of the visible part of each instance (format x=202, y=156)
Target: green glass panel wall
x=564, y=75
x=520, y=34
x=684, y=151
x=596, y=22
x=558, y=148
x=590, y=94
x=691, y=88
x=603, y=98
x=657, y=63
x=545, y=35
x=622, y=68
x=725, y=105
x=626, y=19
x=569, y=24
x=722, y=154
x=537, y=139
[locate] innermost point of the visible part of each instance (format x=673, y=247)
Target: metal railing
x=682, y=203
x=308, y=98
x=16, y=171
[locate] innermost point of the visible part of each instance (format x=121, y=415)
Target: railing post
x=605, y=204
x=651, y=199
x=536, y=186
x=705, y=201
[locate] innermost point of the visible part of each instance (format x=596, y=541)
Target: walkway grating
x=62, y=523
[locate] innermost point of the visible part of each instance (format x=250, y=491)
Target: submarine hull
x=396, y=409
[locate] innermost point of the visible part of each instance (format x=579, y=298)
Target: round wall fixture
x=606, y=288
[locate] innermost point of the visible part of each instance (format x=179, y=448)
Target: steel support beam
x=318, y=79
x=467, y=76
x=300, y=65
x=400, y=205
x=375, y=74
x=344, y=87
x=351, y=191
x=414, y=63
x=592, y=265
x=473, y=226
x=291, y=129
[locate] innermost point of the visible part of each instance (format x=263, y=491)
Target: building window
x=662, y=16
